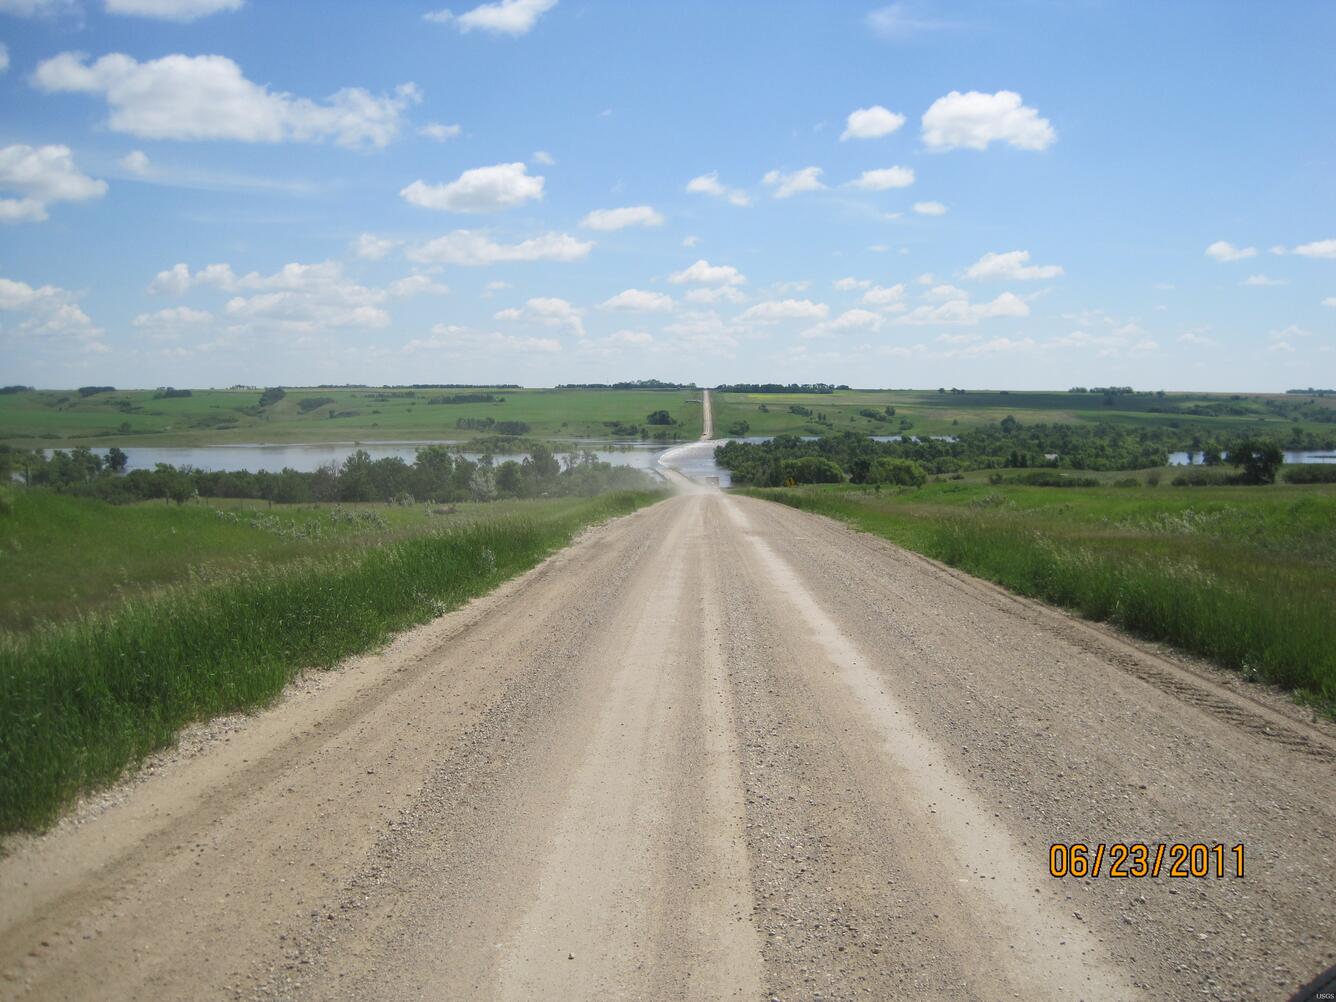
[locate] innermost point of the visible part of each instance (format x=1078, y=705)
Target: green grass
x=60, y=419
x=935, y=413
x=1245, y=577
x=63, y=556
x=82, y=700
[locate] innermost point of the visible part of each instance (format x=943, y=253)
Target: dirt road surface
x=719, y=749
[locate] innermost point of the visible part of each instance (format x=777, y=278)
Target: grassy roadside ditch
x=82, y=700
x=1245, y=577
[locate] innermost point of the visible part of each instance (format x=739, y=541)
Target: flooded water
x=1291, y=456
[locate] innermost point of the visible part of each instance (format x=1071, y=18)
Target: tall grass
x=1261, y=602
x=81, y=701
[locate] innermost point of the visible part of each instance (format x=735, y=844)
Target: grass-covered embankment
x=82, y=700
x=1243, y=576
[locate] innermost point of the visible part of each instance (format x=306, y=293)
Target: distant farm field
x=63, y=418
x=929, y=412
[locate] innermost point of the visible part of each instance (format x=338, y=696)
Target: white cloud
x=548, y=311
x=1279, y=249
x=930, y=208
x=48, y=312
x=1222, y=250
x=784, y=288
x=849, y=320
x=4, y=58
x=974, y=120
x=1265, y=280
x=136, y=162
x=962, y=311
x=850, y=284
x=639, y=300
x=778, y=310
x=704, y=273
x=871, y=123
x=898, y=21
x=468, y=343
x=631, y=337
x=884, y=178
x=207, y=97
x=888, y=296
x=1282, y=346
x=440, y=131
x=472, y=248
x=1318, y=248
x=37, y=8
x=1011, y=266
x=372, y=247
x=543, y=157
x=1289, y=333
x=720, y=294
x=172, y=10
x=1196, y=337
x=173, y=318
x=504, y=17
x=1330, y=301
x=708, y=184
x=417, y=285
x=690, y=241
x=787, y=185
x=943, y=293
x=617, y=219
x=482, y=189
x=41, y=175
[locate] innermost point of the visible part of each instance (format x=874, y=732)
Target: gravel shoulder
x=715, y=749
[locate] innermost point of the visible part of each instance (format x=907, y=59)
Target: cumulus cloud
x=1223, y=250
x=1011, y=266
x=708, y=184
x=207, y=97
x=778, y=310
x=640, y=301
x=172, y=10
x=482, y=189
x=1330, y=301
x=372, y=247
x=719, y=294
x=884, y=178
x=543, y=157
x=465, y=342
x=974, y=120
x=930, y=208
x=871, y=123
x=704, y=273
x=618, y=219
x=548, y=311
x=173, y=318
x=885, y=296
x=1318, y=248
x=136, y=162
x=417, y=285
x=849, y=320
x=1265, y=280
x=631, y=337
x=471, y=248
x=787, y=185
x=691, y=240
x=505, y=17
x=962, y=311
x=440, y=131
x=850, y=284
x=41, y=175
x=47, y=312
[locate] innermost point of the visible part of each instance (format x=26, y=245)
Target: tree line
x=436, y=474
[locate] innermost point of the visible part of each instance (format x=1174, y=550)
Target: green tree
x=904, y=472
x=810, y=470
x=1260, y=460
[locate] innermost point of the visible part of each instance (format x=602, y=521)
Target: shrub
x=312, y=403
x=272, y=396
x=660, y=417
x=904, y=472
x=1311, y=473
x=810, y=470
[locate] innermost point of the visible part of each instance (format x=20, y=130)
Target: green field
x=63, y=418
x=934, y=413
x=221, y=618
x=1243, y=576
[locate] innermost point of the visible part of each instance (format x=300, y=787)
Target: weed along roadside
x=80, y=701
x=1240, y=576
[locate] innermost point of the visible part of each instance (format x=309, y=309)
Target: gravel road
x=716, y=749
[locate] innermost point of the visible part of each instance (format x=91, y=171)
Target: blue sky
x=1040, y=194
